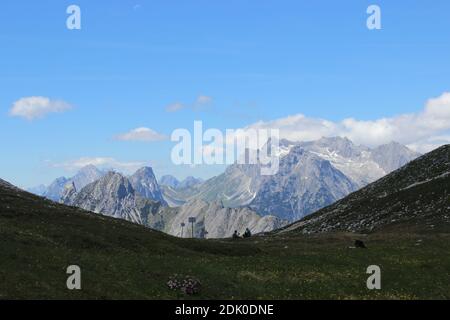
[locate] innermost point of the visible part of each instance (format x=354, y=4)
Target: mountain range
x=172, y=182
x=82, y=178
x=116, y=196
x=311, y=176
x=415, y=193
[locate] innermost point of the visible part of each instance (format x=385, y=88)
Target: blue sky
x=256, y=61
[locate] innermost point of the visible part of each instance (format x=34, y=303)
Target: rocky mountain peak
x=393, y=155
x=341, y=145
x=86, y=175
x=169, y=181
x=90, y=168
x=113, y=195
x=145, y=171
x=304, y=183
x=145, y=184
x=116, y=184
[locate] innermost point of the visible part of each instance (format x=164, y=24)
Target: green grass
x=119, y=260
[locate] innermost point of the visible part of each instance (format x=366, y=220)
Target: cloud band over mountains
x=141, y=134
x=100, y=162
x=421, y=131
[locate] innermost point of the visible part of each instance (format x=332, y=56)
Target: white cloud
x=141, y=134
x=429, y=144
x=100, y=162
x=421, y=131
x=440, y=105
x=37, y=107
x=203, y=100
x=174, y=107
x=199, y=104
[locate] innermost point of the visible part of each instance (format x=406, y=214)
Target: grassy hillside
x=119, y=260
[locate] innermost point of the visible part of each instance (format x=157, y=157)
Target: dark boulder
x=360, y=244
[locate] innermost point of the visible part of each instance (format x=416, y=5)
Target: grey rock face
x=113, y=195
x=174, y=197
x=393, y=156
x=69, y=193
x=84, y=176
x=169, y=181
x=341, y=146
x=38, y=190
x=219, y=221
x=304, y=183
x=176, y=193
x=145, y=184
x=361, y=164
x=189, y=182
x=55, y=189
x=236, y=187
x=172, y=182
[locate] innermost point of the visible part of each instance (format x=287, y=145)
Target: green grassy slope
x=119, y=260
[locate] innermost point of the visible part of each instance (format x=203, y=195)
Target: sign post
x=192, y=221
x=182, y=227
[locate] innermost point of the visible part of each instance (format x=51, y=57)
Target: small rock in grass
x=360, y=244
